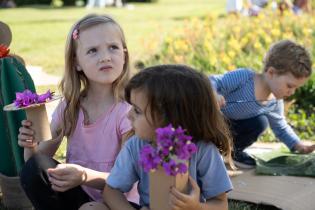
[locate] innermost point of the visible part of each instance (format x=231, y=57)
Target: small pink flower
x=75, y=34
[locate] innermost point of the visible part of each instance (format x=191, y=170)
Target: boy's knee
x=261, y=123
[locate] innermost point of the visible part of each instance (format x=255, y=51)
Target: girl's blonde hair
x=180, y=95
x=75, y=84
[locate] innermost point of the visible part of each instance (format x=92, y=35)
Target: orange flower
x=4, y=51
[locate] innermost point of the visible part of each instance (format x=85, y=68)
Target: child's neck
x=96, y=102
x=262, y=89
x=99, y=94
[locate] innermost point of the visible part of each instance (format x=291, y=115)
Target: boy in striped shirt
x=252, y=101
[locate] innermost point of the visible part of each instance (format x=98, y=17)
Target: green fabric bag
x=13, y=78
x=281, y=163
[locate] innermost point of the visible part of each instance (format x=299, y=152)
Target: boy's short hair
x=287, y=56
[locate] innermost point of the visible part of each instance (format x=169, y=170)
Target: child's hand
x=304, y=149
x=26, y=135
x=66, y=176
x=186, y=202
x=221, y=100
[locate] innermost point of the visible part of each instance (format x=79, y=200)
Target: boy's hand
x=66, y=176
x=186, y=202
x=304, y=149
x=221, y=100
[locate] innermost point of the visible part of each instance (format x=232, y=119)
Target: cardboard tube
x=40, y=124
x=160, y=185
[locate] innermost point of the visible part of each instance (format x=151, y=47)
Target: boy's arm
x=303, y=148
x=284, y=132
x=230, y=81
x=115, y=199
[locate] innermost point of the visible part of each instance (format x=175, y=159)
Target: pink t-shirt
x=96, y=146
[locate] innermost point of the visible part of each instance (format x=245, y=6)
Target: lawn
x=39, y=32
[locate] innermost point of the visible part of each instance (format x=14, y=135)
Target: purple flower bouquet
x=35, y=108
x=167, y=163
x=173, y=150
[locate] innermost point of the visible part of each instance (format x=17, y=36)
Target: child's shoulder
x=206, y=147
x=135, y=143
x=123, y=105
x=243, y=71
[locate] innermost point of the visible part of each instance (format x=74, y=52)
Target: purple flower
x=148, y=158
x=173, y=145
x=45, y=97
x=170, y=167
x=182, y=168
x=27, y=98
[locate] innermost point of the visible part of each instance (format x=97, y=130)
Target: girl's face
x=284, y=85
x=140, y=116
x=100, y=53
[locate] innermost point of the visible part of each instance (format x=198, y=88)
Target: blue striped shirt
x=237, y=87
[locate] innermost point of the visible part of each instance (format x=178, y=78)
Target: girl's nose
x=129, y=115
x=105, y=57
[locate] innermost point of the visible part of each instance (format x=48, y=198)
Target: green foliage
x=29, y=2
x=305, y=96
x=215, y=45
x=303, y=123
x=242, y=205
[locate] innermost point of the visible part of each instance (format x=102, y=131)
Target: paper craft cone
x=40, y=125
x=160, y=185
x=37, y=114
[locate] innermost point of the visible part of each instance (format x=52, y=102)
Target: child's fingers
x=59, y=188
x=175, y=202
x=58, y=172
x=58, y=182
x=27, y=143
x=27, y=131
x=194, y=185
x=178, y=195
x=26, y=123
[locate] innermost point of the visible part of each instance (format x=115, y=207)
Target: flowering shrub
x=173, y=149
x=27, y=98
x=216, y=45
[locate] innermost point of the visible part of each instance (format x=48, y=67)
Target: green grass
x=39, y=32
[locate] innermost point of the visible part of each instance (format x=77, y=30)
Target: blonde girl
x=92, y=117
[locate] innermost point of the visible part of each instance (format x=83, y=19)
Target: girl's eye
x=137, y=111
x=90, y=51
x=113, y=47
